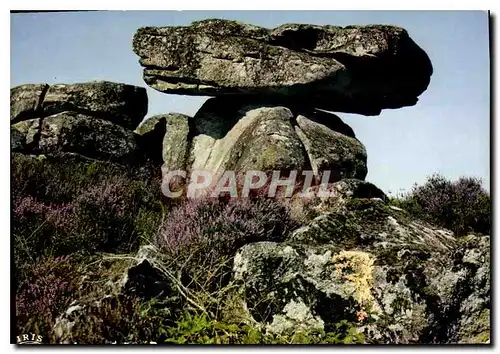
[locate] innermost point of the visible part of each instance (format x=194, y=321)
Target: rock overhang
x=355, y=69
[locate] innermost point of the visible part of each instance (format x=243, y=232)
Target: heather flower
x=461, y=206
x=46, y=290
x=232, y=223
x=202, y=234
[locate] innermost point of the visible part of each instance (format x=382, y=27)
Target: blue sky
x=447, y=131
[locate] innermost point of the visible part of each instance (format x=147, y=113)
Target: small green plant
x=198, y=329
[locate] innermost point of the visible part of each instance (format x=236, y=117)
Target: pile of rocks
x=272, y=87
x=94, y=119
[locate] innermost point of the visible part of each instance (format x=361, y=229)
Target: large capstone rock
x=356, y=69
x=86, y=135
x=396, y=279
x=122, y=104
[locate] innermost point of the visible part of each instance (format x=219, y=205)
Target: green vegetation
x=78, y=223
x=462, y=206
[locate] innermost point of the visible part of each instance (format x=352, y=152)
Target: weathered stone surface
x=466, y=288
x=30, y=134
x=17, y=140
x=26, y=100
x=328, y=119
x=175, y=147
x=243, y=135
x=343, y=156
x=246, y=137
x=86, y=135
x=399, y=279
x=138, y=277
x=149, y=124
x=166, y=137
x=357, y=69
x=316, y=199
x=119, y=103
x=150, y=134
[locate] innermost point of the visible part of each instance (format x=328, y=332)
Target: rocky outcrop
x=331, y=150
x=348, y=257
x=271, y=85
x=122, y=104
x=401, y=280
x=166, y=138
x=28, y=134
x=89, y=136
x=355, y=69
x=260, y=139
x=94, y=119
x=26, y=101
x=239, y=135
x=139, y=277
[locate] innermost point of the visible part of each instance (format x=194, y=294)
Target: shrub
x=462, y=206
x=120, y=320
x=202, y=235
x=199, y=329
x=36, y=227
x=104, y=217
x=81, y=206
x=44, y=291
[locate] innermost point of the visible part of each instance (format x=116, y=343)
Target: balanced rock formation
x=274, y=90
x=349, y=258
x=355, y=69
x=94, y=119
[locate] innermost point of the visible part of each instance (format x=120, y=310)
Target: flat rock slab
x=122, y=104
x=355, y=69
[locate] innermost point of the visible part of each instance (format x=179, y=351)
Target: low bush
x=462, y=206
x=84, y=206
x=126, y=320
x=199, y=329
x=46, y=290
x=202, y=235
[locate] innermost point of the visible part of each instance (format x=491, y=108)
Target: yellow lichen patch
x=355, y=268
